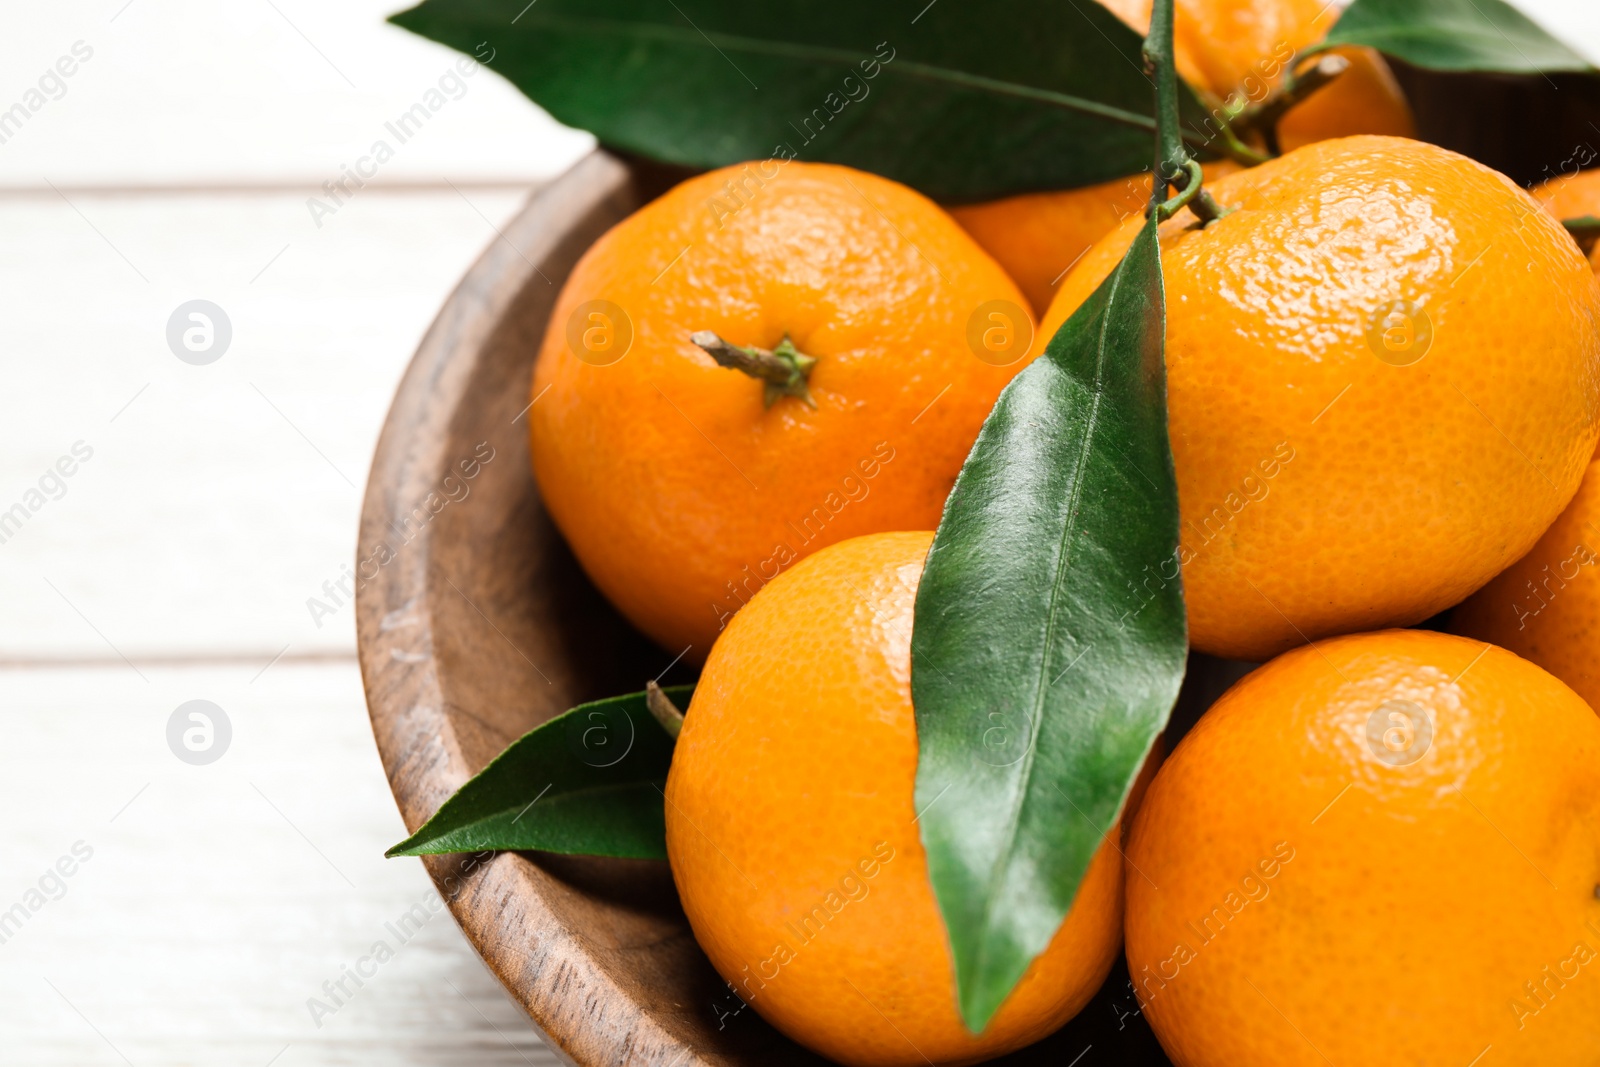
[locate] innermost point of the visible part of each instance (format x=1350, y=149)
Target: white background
x=177, y=566
x=218, y=499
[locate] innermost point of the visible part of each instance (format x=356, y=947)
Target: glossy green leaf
x=963, y=101
x=588, y=781
x=1482, y=35
x=1049, y=638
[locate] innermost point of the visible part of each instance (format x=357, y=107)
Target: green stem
x=1171, y=157
x=1237, y=150
x=1173, y=166
x=1264, y=117
x=785, y=369
x=1186, y=196
x=1206, y=207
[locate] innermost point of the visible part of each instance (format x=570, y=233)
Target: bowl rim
x=580, y=1011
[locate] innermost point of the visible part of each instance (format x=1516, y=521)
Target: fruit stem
x=663, y=710
x=1585, y=230
x=1264, y=117
x=1193, y=197
x=1171, y=156
x=1173, y=165
x=785, y=369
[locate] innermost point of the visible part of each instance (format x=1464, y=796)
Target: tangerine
x=793, y=837
x=1381, y=848
x=683, y=486
x=1383, y=386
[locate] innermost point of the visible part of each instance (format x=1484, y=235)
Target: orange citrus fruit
x=792, y=834
x=679, y=489
x=1546, y=606
x=1224, y=48
x=1573, y=196
x=1381, y=848
x=1383, y=377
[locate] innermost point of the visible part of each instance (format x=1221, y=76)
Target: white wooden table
x=221, y=906
x=175, y=163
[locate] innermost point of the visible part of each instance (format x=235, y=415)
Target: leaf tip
x=415, y=845
x=405, y=18
x=979, y=1002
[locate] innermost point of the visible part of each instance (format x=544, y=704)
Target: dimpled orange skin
x=1573, y=196
x=1221, y=47
x=1546, y=606
x=1373, y=910
x=793, y=779
x=678, y=490
x=1322, y=490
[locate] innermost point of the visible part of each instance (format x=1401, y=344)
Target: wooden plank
x=286, y=91
x=216, y=900
x=218, y=499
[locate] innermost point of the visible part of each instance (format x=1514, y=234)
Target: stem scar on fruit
x=785, y=369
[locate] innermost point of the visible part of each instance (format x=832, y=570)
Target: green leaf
x=1050, y=637
x=1482, y=35
x=588, y=781
x=962, y=101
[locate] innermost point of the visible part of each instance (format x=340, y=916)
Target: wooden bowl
x=475, y=624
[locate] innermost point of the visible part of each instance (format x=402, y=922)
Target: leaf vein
x=1058, y=583
x=758, y=47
